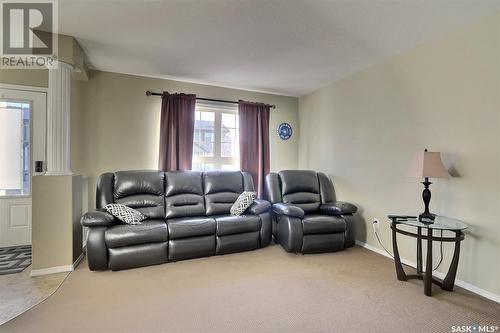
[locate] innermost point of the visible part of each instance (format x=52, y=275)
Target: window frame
x=217, y=159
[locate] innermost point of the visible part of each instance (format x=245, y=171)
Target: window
x=14, y=148
x=216, y=137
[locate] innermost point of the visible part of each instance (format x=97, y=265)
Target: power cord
x=375, y=222
x=440, y=253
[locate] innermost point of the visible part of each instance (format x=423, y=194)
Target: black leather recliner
x=187, y=217
x=307, y=218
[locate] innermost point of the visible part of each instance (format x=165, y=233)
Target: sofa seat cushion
x=184, y=227
x=230, y=225
x=322, y=224
x=150, y=231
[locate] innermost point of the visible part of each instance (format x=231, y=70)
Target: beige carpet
x=266, y=290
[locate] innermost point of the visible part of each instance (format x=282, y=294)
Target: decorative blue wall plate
x=285, y=131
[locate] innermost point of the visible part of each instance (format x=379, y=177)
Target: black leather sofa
x=187, y=217
x=307, y=218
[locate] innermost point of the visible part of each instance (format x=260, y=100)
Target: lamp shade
x=428, y=164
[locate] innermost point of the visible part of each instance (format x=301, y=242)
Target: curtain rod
x=150, y=93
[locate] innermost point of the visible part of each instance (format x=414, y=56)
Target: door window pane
x=14, y=148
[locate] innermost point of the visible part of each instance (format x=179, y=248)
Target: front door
x=22, y=143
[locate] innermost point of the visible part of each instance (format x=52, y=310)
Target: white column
x=58, y=120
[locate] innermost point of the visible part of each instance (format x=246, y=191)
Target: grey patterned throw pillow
x=244, y=201
x=125, y=214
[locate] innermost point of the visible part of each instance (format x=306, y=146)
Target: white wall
x=443, y=95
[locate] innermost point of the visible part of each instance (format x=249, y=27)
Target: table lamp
x=428, y=164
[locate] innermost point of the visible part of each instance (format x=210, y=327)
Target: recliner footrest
x=238, y=242
x=323, y=243
x=194, y=247
x=322, y=224
x=137, y=256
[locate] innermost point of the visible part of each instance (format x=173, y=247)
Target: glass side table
x=440, y=223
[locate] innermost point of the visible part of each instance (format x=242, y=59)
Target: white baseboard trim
x=57, y=269
x=51, y=270
x=470, y=287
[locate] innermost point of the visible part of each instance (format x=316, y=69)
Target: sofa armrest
x=97, y=218
x=258, y=207
x=288, y=210
x=338, y=208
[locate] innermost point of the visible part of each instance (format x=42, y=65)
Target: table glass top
x=440, y=222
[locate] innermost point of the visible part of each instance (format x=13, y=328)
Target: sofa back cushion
x=105, y=188
x=221, y=189
x=326, y=188
x=301, y=188
x=273, y=188
x=159, y=195
x=184, y=194
x=141, y=190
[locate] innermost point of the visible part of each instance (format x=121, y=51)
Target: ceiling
x=289, y=47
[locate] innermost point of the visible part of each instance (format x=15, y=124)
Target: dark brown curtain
x=176, y=131
x=254, y=141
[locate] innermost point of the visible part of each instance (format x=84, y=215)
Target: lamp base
x=427, y=217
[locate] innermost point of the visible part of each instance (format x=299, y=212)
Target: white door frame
x=22, y=205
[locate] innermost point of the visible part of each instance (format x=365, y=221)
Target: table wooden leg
x=419, y=251
x=428, y=265
x=449, y=280
x=397, y=260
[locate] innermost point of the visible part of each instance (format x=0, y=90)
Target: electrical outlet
x=376, y=225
